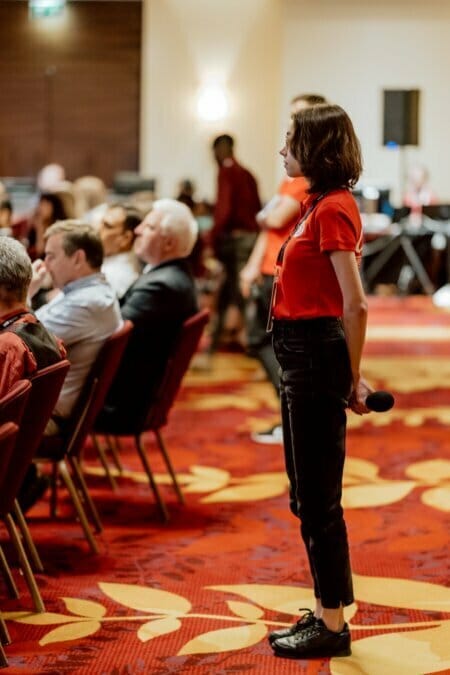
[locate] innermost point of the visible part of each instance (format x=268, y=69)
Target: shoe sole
x=267, y=441
x=312, y=655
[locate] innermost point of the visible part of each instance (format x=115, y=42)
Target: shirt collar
x=84, y=282
x=17, y=310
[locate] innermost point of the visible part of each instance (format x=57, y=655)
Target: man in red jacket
x=235, y=227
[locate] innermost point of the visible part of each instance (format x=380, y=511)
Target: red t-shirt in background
x=290, y=187
x=307, y=285
x=237, y=200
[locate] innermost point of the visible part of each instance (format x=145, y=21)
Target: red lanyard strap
x=281, y=256
x=297, y=227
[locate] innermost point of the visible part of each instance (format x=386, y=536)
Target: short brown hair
x=309, y=99
x=324, y=142
x=77, y=235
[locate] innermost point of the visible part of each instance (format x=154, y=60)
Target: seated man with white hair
x=157, y=303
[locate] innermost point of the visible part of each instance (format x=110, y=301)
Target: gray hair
x=15, y=271
x=178, y=221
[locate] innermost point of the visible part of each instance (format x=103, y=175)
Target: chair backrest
x=12, y=405
x=8, y=434
x=182, y=352
x=46, y=385
x=98, y=382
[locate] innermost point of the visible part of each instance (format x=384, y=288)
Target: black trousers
x=314, y=389
x=233, y=251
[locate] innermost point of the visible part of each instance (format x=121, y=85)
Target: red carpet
x=200, y=594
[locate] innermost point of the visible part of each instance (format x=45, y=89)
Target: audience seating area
x=157, y=409
x=24, y=413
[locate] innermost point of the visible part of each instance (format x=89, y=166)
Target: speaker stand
x=403, y=241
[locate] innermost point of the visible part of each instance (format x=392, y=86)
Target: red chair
x=8, y=434
x=30, y=404
x=158, y=408
x=64, y=449
x=13, y=403
x=46, y=385
x=12, y=407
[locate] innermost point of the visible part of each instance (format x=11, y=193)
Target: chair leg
x=25, y=564
x=165, y=454
x=25, y=532
x=4, y=633
x=114, y=448
x=8, y=577
x=86, y=494
x=64, y=471
x=149, y=472
x=102, y=455
x=3, y=660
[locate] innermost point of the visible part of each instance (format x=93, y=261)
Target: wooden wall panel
x=70, y=90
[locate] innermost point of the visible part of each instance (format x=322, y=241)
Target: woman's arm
x=354, y=320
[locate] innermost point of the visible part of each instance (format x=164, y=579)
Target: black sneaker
x=315, y=641
x=306, y=620
x=270, y=436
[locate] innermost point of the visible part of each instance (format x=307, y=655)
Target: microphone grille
x=380, y=401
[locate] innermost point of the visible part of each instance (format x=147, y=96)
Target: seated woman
x=49, y=209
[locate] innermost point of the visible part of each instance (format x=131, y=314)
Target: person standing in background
x=418, y=191
x=319, y=314
x=276, y=220
x=234, y=231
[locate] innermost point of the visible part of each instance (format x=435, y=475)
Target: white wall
x=185, y=44
x=265, y=51
x=350, y=50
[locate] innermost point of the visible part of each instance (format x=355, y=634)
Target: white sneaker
x=270, y=436
x=442, y=297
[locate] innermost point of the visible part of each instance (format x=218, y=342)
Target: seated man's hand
x=39, y=275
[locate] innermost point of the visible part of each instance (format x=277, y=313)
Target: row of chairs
x=24, y=413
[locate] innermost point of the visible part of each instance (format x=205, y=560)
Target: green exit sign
x=45, y=8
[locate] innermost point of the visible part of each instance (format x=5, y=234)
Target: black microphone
x=380, y=401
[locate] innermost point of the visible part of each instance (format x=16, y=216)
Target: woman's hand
x=357, y=400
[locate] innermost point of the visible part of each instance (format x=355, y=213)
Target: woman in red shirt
x=319, y=315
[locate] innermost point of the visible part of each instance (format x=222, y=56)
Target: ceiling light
x=45, y=8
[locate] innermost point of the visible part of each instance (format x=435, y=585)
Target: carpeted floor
x=200, y=594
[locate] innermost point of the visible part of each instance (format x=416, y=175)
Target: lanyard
x=280, y=258
x=11, y=320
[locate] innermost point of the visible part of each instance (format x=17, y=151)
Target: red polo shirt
x=307, y=285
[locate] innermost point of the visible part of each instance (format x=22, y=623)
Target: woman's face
x=45, y=210
x=291, y=164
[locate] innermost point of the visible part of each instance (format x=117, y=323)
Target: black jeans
x=315, y=386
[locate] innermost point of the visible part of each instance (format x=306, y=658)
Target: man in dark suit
x=157, y=303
